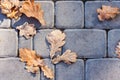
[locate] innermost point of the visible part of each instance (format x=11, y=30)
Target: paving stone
x=113, y=39
x=48, y=8
x=8, y=43
x=91, y=19
x=41, y=46
x=69, y=14
x=4, y=21
x=25, y=43
x=50, y=65
x=70, y=72
x=103, y=69
x=13, y=69
x=87, y=43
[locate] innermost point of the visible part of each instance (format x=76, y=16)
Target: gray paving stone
x=25, y=43
x=48, y=7
x=50, y=65
x=8, y=43
x=103, y=69
x=4, y=21
x=87, y=43
x=91, y=19
x=70, y=72
x=13, y=69
x=113, y=39
x=41, y=45
x=69, y=14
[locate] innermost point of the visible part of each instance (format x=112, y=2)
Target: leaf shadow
x=24, y=19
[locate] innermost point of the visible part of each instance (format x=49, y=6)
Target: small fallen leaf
x=10, y=8
x=118, y=50
x=27, y=30
x=47, y=72
x=68, y=57
x=34, y=62
x=56, y=39
x=29, y=56
x=32, y=9
x=107, y=12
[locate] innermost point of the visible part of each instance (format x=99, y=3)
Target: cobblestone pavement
x=92, y=40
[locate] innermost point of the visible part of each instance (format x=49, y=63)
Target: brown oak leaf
x=56, y=39
x=34, y=62
x=118, y=50
x=32, y=9
x=27, y=30
x=10, y=8
x=107, y=12
x=68, y=57
x=47, y=72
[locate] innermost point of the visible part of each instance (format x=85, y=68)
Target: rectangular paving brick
x=48, y=8
x=103, y=69
x=70, y=72
x=25, y=43
x=50, y=65
x=41, y=46
x=113, y=39
x=69, y=14
x=87, y=43
x=8, y=43
x=91, y=19
x=4, y=21
x=13, y=69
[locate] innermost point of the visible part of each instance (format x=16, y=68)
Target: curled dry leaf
x=10, y=8
x=34, y=62
x=31, y=9
x=107, y=12
x=27, y=30
x=118, y=50
x=68, y=57
x=56, y=39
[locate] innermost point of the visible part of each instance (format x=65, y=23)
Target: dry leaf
x=10, y=8
x=34, y=62
x=68, y=57
x=107, y=12
x=56, y=39
x=47, y=72
x=31, y=9
x=118, y=50
x=27, y=30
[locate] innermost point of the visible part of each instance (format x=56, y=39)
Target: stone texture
x=50, y=65
x=103, y=69
x=41, y=45
x=25, y=43
x=48, y=8
x=113, y=39
x=69, y=14
x=13, y=69
x=70, y=72
x=8, y=43
x=4, y=21
x=87, y=43
x=91, y=19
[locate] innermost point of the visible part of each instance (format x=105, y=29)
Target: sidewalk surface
x=92, y=40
